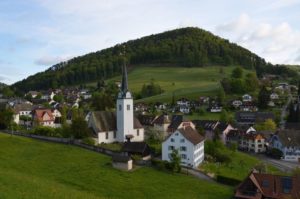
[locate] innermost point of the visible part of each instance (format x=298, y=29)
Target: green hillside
x=186, y=47
x=182, y=82
x=36, y=169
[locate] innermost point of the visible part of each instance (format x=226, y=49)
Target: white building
x=119, y=126
x=247, y=98
x=190, y=146
x=274, y=96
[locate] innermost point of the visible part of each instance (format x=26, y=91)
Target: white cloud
x=51, y=60
x=237, y=25
x=276, y=43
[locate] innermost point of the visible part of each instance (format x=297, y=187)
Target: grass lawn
x=183, y=82
x=36, y=169
x=111, y=146
x=238, y=169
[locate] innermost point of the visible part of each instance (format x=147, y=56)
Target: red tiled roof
x=40, y=113
x=269, y=186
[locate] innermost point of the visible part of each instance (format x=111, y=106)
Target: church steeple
x=124, y=92
x=124, y=86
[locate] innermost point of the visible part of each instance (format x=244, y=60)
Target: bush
x=275, y=153
x=89, y=141
x=136, y=157
x=46, y=131
x=227, y=181
x=222, y=157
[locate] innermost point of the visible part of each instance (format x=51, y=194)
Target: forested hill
x=186, y=47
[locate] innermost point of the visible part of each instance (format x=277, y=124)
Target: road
x=284, y=166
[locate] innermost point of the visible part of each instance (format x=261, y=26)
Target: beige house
x=253, y=142
x=161, y=123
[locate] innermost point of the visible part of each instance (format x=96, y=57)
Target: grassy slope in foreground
x=184, y=82
x=35, y=169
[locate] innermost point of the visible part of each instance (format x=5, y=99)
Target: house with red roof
x=43, y=117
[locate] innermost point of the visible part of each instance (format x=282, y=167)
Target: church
x=119, y=126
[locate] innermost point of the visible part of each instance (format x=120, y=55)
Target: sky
x=36, y=34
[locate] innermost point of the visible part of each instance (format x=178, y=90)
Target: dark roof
x=107, y=121
x=289, y=137
x=269, y=186
x=191, y=134
x=162, y=119
x=120, y=158
x=252, y=117
x=140, y=148
x=176, y=121
x=146, y=119
x=292, y=125
x=104, y=121
x=205, y=124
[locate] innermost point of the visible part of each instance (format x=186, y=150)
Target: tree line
x=187, y=47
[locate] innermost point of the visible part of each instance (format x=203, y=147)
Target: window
x=171, y=147
x=182, y=148
x=115, y=134
x=106, y=135
x=181, y=140
x=176, y=134
x=128, y=107
x=172, y=139
x=120, y=107
x=138, y=132
x=183, y=156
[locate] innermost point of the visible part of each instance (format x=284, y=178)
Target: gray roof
x=22, y=107
x=107, y=121
x=120, y=158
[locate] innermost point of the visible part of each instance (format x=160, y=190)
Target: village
x=170, y=135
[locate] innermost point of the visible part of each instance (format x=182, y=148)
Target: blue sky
x=35, y=34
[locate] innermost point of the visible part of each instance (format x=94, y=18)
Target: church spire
x=124, y=87
x=124, y=92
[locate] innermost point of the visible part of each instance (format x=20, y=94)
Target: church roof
x=107, y=121
x=104, y=121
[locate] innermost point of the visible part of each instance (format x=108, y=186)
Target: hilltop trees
x=188, y=47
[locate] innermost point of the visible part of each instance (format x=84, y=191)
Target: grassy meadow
x=238, y=169
x=183, y=82
x=36, y=169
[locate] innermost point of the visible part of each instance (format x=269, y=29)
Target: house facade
x=190, y=146
x=252, y=142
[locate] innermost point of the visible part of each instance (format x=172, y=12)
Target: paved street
x=280, y=164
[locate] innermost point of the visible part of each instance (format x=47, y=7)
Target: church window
x=128, y=107
x=138, y=132
x=120, y=107
x=106, y=135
